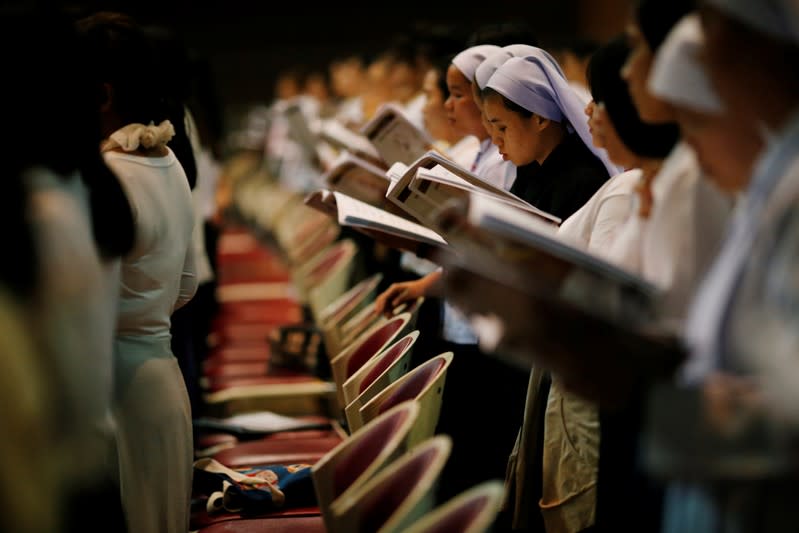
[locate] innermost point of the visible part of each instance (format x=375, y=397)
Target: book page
x=395, y=173
x=395, y=137
x=352, y=212
x=322, y=200
x=339, y=135
x=358, y=178
x=541, y=238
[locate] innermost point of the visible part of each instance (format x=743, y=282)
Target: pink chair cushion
x=328, y=263
x=236, y=370
x=315, y=245
x=372, y=344
x=414, y=385
x=304, y=449
x=222, y=383
x=304, y=520
x=353, y=297
x=363, y=453
x=378, y=506
x=386, y=360
x=461, y=517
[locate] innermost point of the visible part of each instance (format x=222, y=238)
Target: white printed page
x=353, y=212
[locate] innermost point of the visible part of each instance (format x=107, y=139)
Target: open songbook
x=526, y=252
x=433, y=183
x=358, y=178
x=300, y=129
x=394, y=136
x=604, y=354
x=352, y=212
x=343, y=138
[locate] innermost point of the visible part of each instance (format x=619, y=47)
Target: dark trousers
x=482, y=410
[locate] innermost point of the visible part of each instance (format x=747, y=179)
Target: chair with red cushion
x=424, y=384
x=364, y=453
x=367, y=346
x=345, y=307
x=472, y=511
x=378, y=372
x=393, y=499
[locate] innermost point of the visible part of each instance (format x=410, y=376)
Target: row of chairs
x=380, y=470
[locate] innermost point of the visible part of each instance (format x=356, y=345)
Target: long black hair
x=53, y=127
x=141, y=68
x=608, y=87
x=656, y=18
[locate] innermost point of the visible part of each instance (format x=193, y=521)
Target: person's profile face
x=517, y=137
x=433, y=112
x=636, y=73
x=725, y=151
x=594, y=125
x=402, y=80
x=462, y=111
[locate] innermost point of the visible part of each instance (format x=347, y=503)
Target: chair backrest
x=314, y=270
x=397, y=496
x=367, y=318
x=363, y=320
x=425, y=384
x=412, y=308
x=306, y=251
x=378, y=373
x=343, y=308
x=471, y=511
x=368, y=345
x=330, y=278
x=362, y=454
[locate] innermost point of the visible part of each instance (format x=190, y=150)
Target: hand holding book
x=595, y=356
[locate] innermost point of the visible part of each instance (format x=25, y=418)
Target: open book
x=352, y=212
x=395, y=136
x=343, y=138
x=358, y=178
x=433, y=183
x=299, y=127
x=602, y=353
x=525, y=252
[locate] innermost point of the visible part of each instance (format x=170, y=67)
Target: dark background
x=243, y=44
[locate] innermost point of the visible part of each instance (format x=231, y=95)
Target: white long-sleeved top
x=158, y=275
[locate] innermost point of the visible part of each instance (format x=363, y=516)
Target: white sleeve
x=188, y=280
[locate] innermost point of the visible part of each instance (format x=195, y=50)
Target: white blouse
x=158, y=276
x=676, y=244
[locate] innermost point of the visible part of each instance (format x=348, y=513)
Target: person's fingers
x=401, y=297
x=382, y=302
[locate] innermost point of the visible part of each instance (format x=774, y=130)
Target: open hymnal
x=394, y=136
x=527, y=253
x=352, y=212
x=300, y=128
x=433, y=182
x=577, y=338
x=343, y=138
x=358, y=178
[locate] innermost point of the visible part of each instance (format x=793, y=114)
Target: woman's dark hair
x=176, y=69
x=139, y=68
x=71, y=114
x=120, y=54
x=509, y=105
x=441, y=64
x=656, y=18
x=608, y=87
